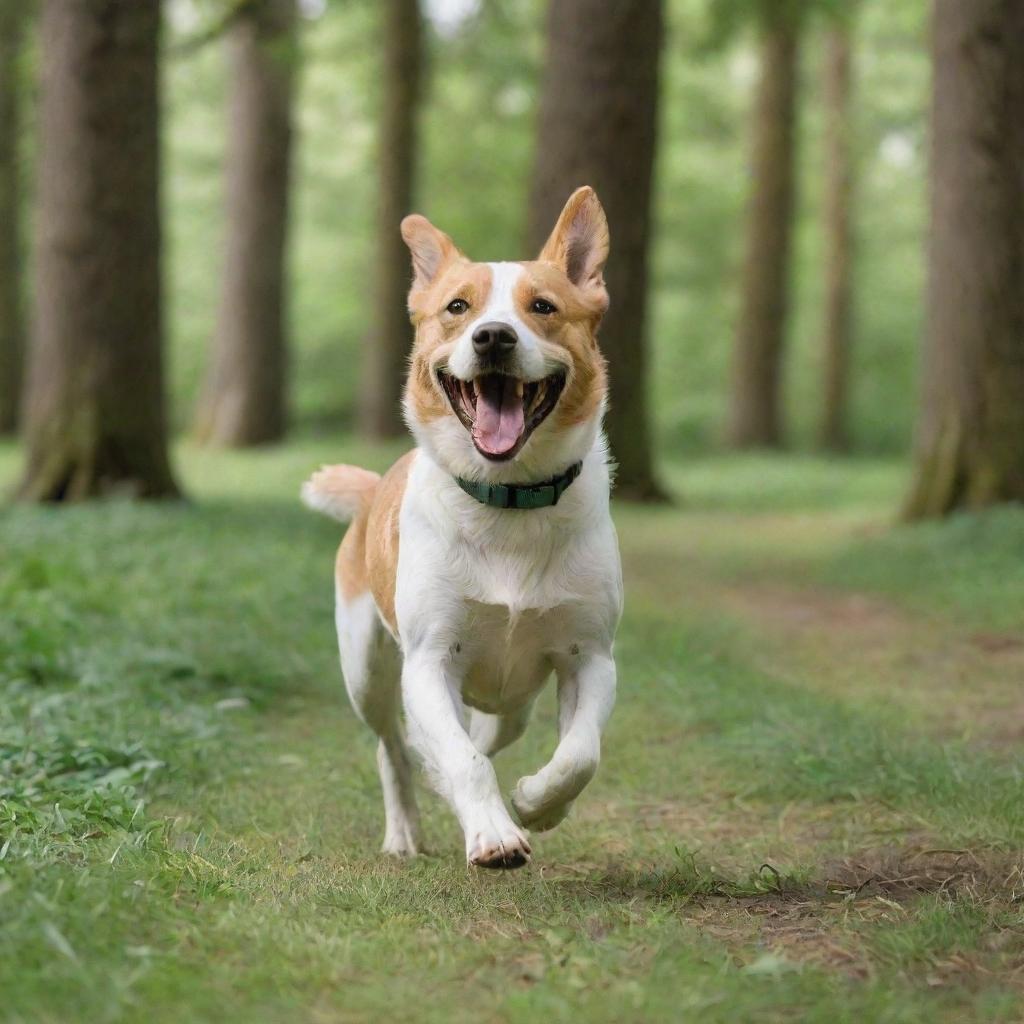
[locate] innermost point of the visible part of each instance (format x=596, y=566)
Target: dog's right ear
x=432, y=250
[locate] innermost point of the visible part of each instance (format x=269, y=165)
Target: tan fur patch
x=573, y=328
x=437, y=330
x=350, y=566
x=368, y=556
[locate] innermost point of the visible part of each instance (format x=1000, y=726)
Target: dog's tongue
x=499, y=414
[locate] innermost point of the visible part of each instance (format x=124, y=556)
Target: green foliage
x=728, y=18
x=477, y=141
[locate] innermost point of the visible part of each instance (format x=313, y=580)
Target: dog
x=485, y=560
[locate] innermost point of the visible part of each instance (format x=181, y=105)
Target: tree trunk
x=598, y=126
x=244, y=401
x=836, y=87
x=970, y=445
x=390, y=337
x=755, y=415
x=11, y=324
x=94, y=407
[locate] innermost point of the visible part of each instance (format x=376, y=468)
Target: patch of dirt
x=959, y=683
x=900, y=873
x=728, y=832
x=774, y=921
x=802, y=933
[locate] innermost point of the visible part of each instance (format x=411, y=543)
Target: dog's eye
x=457, y=307
x=542, y=307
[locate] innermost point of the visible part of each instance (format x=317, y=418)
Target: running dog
x=486, y=559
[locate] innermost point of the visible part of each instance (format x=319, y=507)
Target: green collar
x=523, y=496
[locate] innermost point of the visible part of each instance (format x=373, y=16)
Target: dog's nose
x=494, y=339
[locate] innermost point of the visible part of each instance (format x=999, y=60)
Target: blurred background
x=292, y=139
x=809, y=806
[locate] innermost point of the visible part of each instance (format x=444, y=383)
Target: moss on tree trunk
x=970, y=443
x=95, y=421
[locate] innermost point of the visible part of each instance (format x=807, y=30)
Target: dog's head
x=507, y=382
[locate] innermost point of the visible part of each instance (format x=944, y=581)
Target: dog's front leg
x=586, y=696
x=463, y=775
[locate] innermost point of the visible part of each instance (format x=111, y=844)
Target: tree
x=244, y=400
x=11, y=328
x=755, y=418
x=95, y=420
x=390, y=337
x=836, y=88
x=598, y=126
x=970, y=441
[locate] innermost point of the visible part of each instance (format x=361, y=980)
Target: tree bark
x=970, y=443
x=598, y=126
x=95, y=421
x=833, y=432
x=244, y=401
x=390, y=337
x=11, y=320
x=755, y=414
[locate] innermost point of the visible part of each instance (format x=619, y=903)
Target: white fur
x=529, y=360
x=327, y=503
x=550, y=449
x=489, y=603
x=322, y=492
x=370, y=666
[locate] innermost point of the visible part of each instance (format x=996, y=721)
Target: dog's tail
x=341, y=492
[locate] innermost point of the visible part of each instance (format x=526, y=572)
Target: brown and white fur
x=456, y=612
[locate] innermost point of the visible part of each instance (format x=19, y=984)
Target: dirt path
x=959, y=681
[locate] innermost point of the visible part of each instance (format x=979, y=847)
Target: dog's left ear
x=579, y=243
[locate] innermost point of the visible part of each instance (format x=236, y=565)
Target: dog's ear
x=431, y=250
x=579, y=243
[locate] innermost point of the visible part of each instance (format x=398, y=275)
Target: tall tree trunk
x=94, y=404
x=244, y=401
x=390, y=337
x=598, y=126
x=836, y=87
x=756, y=409
x=11, y=324
x=970, y=447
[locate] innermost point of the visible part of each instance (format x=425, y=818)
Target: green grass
x=189, y=814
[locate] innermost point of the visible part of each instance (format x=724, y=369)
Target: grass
x=809, y=807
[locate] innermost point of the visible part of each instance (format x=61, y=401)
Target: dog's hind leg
x=491, y=733
x=371, y=666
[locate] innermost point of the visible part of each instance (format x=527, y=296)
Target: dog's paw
x=501, y=849
x=534, y=812
x=401, y=841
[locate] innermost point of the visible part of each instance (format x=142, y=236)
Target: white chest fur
x=505, y=597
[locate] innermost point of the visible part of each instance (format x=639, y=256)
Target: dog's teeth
x=519, y=390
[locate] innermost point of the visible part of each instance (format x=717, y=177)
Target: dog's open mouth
x=499, y=411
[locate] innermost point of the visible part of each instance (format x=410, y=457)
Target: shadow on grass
x=898, y=874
